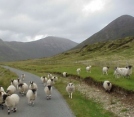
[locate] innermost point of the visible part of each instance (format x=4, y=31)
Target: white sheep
x=78, y=71
x=44, y=80
x=31, y=96
x=126, y=71
x=23, y=76
x=50, y=75
x=11, y=102
x=105, y=70
x=88, y=68
x=23, y=88
x=33, y=85
x=107, y=86
x=70, y=88
x=15, y=82
x=48, y=91
x=11, y=89
x=64, y=74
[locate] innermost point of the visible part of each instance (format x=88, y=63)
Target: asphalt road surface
x=56, y=107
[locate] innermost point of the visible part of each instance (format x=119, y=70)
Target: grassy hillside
x=112, y=53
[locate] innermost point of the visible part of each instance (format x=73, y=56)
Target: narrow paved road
x=56, y=107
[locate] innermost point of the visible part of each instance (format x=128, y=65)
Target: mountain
x=46, y=47
x=121, y=27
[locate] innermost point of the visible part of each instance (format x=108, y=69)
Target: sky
x=77, y=20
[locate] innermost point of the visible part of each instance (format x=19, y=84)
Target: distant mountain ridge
x=121, y=27
x=46, y=47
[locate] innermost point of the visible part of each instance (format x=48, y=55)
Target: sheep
x=107, y=85
x=48, y=91
x=125, y=72
x=78, y=71
x=1, y=99
x=88, y=68
x=65, y=74
x=33, y=85
x=50, y=82
x=2, y=89
x=11, y=101
x=54, y=79
x=105, y=70
x=70, y=88
x=23, y=87
x=50, y=75
x=15, y=82
x=11, y=89
x=31, y=96
x=44, y=80
x=22, y=76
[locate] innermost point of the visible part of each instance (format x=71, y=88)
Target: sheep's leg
x=14, y=109
x=8, y=110
x=71, y=95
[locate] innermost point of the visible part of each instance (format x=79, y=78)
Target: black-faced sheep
x=64, y=74
x=125, y=72
x=33, y=85
x=11, y=102
x=23, y=88
x=48, y=91
x=31, y=96
x=105, y=70
x=70, y=88
x=107, y=86
x=11, y=89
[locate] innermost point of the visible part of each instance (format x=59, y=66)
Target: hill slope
x=119, y=28
x=49, y=46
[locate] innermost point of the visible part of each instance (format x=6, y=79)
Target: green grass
x=81, y=106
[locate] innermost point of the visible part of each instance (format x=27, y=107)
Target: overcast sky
x=29, y=20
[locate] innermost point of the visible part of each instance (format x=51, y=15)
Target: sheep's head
x=5, y=96
x=31, y=82
x=20, y=85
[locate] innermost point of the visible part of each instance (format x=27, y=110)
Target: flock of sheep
x=10, y=98
x=118, y=72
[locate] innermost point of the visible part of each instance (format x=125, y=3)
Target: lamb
x=125, y=72
x=105, y=70
x=22, y=76
x=48, y=91
x=31, y=96
x=88, y=68
x=11, y=89
x=64, y=74
x=33, y=85
x=107, y=86
x=78, y=71
x=70, y=88
x=11, y=101
x=23, y=87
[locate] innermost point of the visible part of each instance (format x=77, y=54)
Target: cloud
x=27, y=20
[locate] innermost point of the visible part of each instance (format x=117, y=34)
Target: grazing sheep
x=11, y=102
x=48, y=91
x=78, y=71
x=33, y=85
x=31, y=96
x=125, y=72
x=88, y=68
x=65, y=74
x=105, y=70
x=22, y=76
x=44, y=80
x=23, y=87
x=11, y=89
x=70, y=89
x=107, y=86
